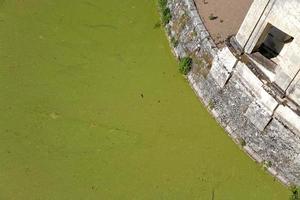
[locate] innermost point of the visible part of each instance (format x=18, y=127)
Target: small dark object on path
x=212, y=17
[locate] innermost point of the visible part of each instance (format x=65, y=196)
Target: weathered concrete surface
x=247, y=26
x=238, y=100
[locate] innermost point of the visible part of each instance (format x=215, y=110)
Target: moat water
x=93, y=107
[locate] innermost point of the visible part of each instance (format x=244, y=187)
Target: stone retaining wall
x=266, y=128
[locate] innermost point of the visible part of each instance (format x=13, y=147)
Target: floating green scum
x=92, y=106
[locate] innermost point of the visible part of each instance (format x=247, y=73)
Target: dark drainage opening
x=272, y=42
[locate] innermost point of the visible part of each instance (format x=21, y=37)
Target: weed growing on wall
x=174, y=42
x=185, y=65
x=162, y=3
x=295, y=193
x=242, y=142
x=166, y=15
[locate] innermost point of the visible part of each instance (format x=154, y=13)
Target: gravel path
x=223, y=18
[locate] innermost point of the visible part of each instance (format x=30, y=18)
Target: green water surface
x=93, y=107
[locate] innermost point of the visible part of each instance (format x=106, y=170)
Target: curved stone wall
x=241, y=102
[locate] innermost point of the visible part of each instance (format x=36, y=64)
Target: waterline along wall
x=267, y=129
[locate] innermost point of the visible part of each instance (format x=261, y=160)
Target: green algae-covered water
x=93, y=107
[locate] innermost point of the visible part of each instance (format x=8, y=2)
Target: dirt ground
x=223, y=18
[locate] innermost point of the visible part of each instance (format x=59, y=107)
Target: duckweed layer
x=93, y=107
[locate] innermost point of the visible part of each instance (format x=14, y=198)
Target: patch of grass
x=295, y=193
x=166, y=15
x=266, y=164
x=242, y=142
x=185, y=65
x=194, y=34
x=211, y=105
x=174, y=42
x=162, y=3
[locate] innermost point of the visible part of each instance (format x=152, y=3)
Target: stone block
x=258, y=115
x=219, y=72
x=197, y=89
x=288, y=117
x=248, y=77
x=266, y=99
x=227, y=58
x=250, y=21
x=282, y=80
x=253, y=154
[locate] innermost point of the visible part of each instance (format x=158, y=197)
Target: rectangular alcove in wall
x=269, y=46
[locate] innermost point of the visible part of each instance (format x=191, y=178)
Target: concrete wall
x=251, y=21
x=283, y=14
